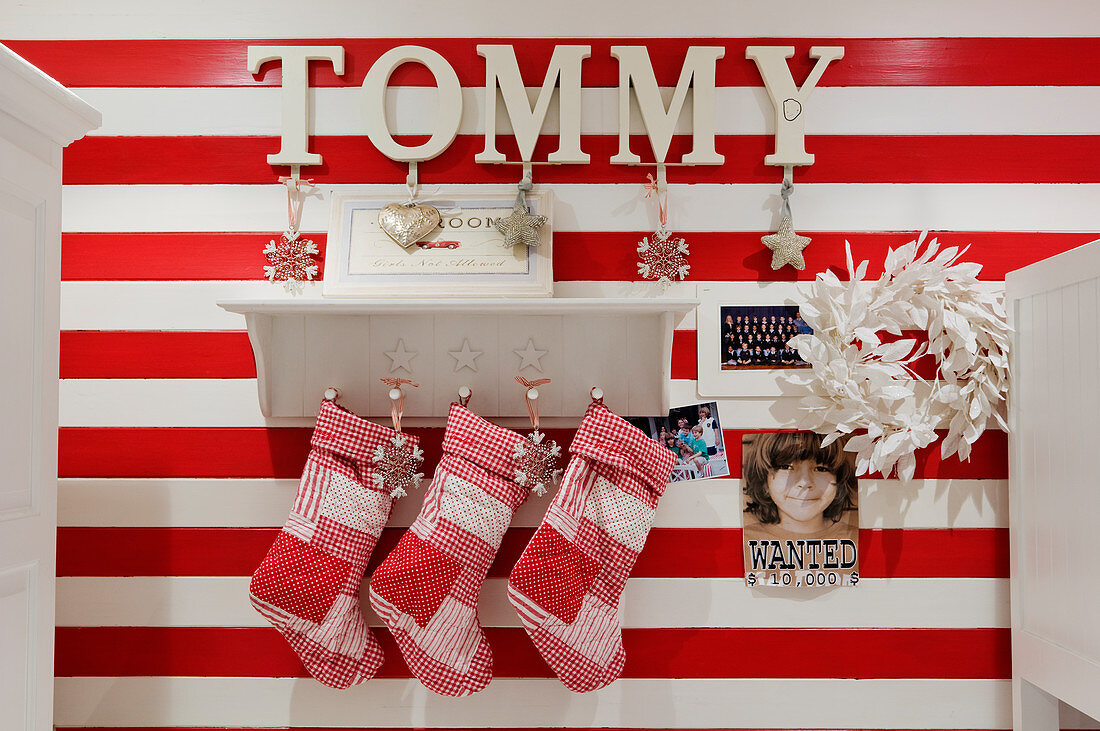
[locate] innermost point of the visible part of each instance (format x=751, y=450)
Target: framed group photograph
x=744, y=344
x=463, y=255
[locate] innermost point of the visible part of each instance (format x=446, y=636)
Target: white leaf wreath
x=859, y=382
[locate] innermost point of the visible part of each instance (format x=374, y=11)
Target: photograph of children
x=800, y=511
x=756, y=337
x=694, y=436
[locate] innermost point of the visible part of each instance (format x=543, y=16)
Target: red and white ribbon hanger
x=397, y=398
x=532, y=397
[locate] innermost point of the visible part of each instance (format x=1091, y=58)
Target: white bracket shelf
x=305, y=346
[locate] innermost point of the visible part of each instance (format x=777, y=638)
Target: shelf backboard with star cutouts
x=467, y=255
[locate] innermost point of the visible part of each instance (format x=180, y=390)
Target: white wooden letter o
x=374, y=105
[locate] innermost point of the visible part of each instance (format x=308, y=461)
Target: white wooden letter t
x=789, y=101
x=293, y=149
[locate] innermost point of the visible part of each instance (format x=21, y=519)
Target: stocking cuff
x=475, y=440
x=342, y=432
x=609, y=439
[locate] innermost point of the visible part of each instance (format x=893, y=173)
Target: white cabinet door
x=28, y=442
x=38, y=118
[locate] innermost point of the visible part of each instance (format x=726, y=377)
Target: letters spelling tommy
x=563, y=75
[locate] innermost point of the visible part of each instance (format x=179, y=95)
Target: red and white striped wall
x=978, y=120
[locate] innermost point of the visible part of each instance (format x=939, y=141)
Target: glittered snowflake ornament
x=395, y=464
x=662, y=258
x=536, y=460
x=291, y=261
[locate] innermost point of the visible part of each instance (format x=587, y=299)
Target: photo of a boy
x=800, y=503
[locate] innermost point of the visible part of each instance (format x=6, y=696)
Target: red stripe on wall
x=578, y=255
x=228, y=354
x=353, y=159
x=866, y=62
x=685, y=362
x=281, y=452
x=171, y=256
x=668, y=553
x=150, y=354
x=699, y=653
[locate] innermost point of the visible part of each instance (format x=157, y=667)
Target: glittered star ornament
x=662, y=258
x=291, y=261
x=520, y=226
x=395, y=464
x=536, y=463
x=786, y=246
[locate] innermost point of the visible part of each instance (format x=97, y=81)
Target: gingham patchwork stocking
x=426, y=589
x=566, y=585
x=308, y=584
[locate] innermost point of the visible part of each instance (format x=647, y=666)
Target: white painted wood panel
x=183, y=402
x=836, y=110
x=579, y=207
x=38, y=118
x=192, y=305
x=715, y=503
x=219, y=601
x=1055, y=310
x=672, y=703
x=614, y=18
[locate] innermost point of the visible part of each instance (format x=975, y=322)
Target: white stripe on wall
x=211, y=402
x=715, y=503
x=835, y=110
x=216, y=601
x=192, y=305
x=632, y=703
x=569, y=19
x=580, y=207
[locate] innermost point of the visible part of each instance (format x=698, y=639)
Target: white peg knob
x=597, y=393
x=331, y=394
x=533, y=394
x=464, y=392
x=395, y=394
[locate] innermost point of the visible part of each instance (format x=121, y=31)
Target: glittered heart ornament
x=407, y=224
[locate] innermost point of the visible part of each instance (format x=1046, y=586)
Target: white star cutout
x=400, y=358
x=465, y=358
x=530, y=356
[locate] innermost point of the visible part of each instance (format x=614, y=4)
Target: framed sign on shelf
x=463, y=256
x=742, y=339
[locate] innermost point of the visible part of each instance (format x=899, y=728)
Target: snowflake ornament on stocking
x=536, y=462
x=291, y=261
x=395, y=466
x=663, y=258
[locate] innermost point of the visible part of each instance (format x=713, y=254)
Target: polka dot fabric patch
x=349, y=503
x=554, y=573
x=415, y=577
x=624, y=517
x=299, y=579
x=470, y=507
